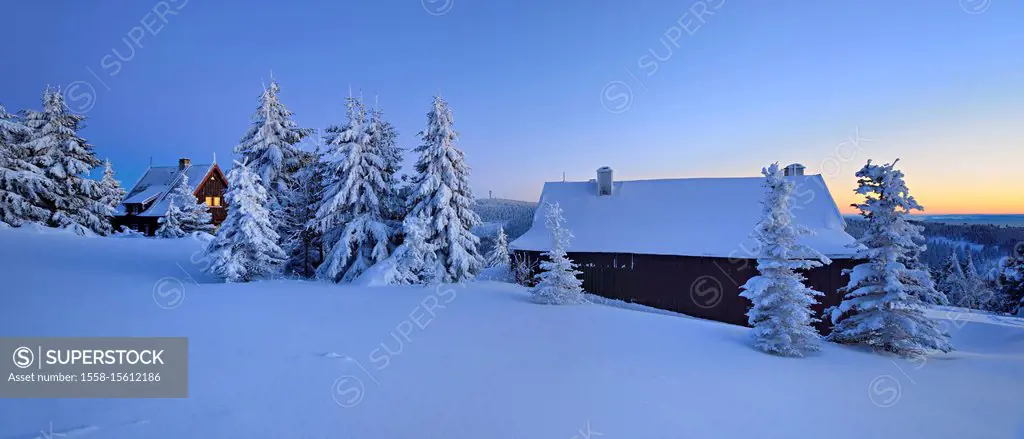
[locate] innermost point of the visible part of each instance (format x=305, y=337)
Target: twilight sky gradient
x=937, y=83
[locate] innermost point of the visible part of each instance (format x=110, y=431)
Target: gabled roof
x=686, y=217
x=156, y=184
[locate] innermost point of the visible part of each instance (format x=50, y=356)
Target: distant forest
x=987, y=243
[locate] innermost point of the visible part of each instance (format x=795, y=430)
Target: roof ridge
x=748, y=177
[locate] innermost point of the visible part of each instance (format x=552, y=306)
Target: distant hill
x=514, y=215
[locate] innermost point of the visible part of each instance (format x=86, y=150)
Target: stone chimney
x=184, y=163
x=604, y=181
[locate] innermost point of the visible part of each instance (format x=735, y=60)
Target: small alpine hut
x=684, y=244
x=149, y=199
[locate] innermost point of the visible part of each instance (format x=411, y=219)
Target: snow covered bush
x=557, y=283
x=441, y=194
x=353, y=215
x=54, y=147
x=245, y=247
x=781, y=314
x=882, y=305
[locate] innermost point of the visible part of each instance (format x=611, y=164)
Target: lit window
x=209, y=201
x=216, y=201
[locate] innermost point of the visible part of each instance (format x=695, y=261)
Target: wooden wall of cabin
x=697, y=286
x=214, y=186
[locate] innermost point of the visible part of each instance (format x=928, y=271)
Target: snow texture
x=558, y=282
x=686, y=217
x=882, y=305
x=781, y=314
x=477, y=360
x=441, y=195
x=245, y=247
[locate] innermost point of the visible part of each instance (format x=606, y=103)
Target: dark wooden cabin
x=147, y=201
x=683, y=244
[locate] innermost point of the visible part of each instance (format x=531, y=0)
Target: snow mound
x=285, y=358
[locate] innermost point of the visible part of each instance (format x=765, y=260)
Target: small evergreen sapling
x=195, y=216
x=781, y=314
x=170, y=223
x=882, y=306
x=498, y=257
x=113, y=193
x=557, y=282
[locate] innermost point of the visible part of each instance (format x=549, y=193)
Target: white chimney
x=604, y=181
x=794, y=169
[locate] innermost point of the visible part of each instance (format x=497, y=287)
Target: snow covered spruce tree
x=977, y=294
x=170, y=223
x=302, y=241
x=352, y=213
x=440, y=194
x=499, y=254
x=781, y=314
x=1011, y=282
x=195, y=216
x=22, y=185
x=383, y=138
x=882, y=306
x=953, y=282
x=55, y=148
x=415, y=261
x=245, y=247
x=270, y=147
x=113, y=193
x=557, y=283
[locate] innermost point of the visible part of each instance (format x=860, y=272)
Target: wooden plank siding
x=214, y=185
x=703, y=287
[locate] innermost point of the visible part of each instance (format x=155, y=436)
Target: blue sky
x=543, y=87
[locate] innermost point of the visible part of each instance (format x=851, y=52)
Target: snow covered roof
x=686, y=217
x=156, y=184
